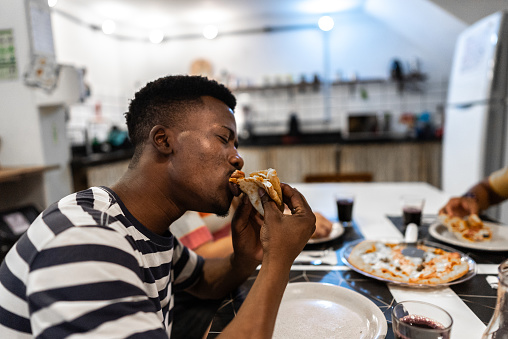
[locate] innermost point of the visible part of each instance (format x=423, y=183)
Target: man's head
x=184, y=132
x=166, y=101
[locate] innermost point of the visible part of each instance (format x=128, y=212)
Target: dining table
x=377, y=214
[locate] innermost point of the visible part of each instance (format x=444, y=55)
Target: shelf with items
x=307, y=85
x=269, y=108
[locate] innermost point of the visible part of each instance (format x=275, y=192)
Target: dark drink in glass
x=412, y=207
x=420, y=327
x=345, y=208
x=412, y=215
x=420, y=320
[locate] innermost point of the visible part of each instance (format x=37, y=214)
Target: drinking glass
x=420, y=320
x=412, y=207
x=345, y=202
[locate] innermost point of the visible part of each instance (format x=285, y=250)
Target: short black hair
x=166, y=101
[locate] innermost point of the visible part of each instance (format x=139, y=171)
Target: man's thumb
x=263, y=196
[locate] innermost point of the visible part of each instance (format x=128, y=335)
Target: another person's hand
x=284, y=236
x=461, y=207
x=323, y=226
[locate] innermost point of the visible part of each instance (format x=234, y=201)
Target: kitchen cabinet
x=100, y=169
x=396, y=161
x=21, y=185
x=406, y=161
x=388, y=161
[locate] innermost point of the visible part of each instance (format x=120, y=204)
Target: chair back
x=340, y=177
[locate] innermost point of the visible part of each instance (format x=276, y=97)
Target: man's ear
x=161, y=139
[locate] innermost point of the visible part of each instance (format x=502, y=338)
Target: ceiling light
x=52, y=3
x=108, y=26
x=325, y=23
x=210, y=32
x=156, y=36
x=329, y=6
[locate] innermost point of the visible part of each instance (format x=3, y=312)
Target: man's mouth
x=235, y=189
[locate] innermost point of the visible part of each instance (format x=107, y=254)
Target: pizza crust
x=385, y=260
x=266, y=179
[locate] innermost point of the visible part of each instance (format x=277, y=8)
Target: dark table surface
x=476, y=292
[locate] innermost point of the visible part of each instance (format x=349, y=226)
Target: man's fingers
x=295, y=201
x=266, y=201
x=243, y=210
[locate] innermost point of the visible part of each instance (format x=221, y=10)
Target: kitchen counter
x=294, y=158
x=99, y=169
x=329, y=138
x=18, y=173
x=95, y=159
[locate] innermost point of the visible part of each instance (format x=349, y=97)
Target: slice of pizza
x=470, y=228
x=266, y=179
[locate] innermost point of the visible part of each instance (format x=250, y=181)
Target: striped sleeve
x=86, y=283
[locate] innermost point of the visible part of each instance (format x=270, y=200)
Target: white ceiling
x=171, y=15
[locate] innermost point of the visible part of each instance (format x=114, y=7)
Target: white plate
x=346, y=251
x=499, y=241
x=319, y=310
x=337, y=231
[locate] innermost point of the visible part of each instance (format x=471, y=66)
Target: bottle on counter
x=498, y=325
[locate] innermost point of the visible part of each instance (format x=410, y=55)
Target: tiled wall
x=328, y=111
x=319, y=110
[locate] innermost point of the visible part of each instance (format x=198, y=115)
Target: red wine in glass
x=420, y=327
x=345, y=209
x=412, y=215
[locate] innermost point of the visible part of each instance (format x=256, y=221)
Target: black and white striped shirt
x=86, y=268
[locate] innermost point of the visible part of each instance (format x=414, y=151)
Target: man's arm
x=277, y=242
x=219, y=248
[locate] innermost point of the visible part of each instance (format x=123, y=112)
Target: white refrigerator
x=475, y=125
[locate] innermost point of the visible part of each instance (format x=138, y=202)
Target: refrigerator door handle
x=466, y=105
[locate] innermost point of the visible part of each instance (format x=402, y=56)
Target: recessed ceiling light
x=325, y=23
x=156, y=36
x=210, y=32
x=108, y=26
x=329, y=6
x=52, y=3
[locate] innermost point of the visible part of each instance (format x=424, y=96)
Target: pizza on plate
x=470, y=228
x=385, y=260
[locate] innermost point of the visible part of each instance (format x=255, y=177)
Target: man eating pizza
x=103, y=263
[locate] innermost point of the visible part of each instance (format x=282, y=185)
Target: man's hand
x=245, y=230
x=284, y=236
x=278, y=239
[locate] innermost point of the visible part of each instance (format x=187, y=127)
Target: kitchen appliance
x=475, y=125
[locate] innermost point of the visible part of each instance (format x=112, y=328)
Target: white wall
x=17, y=103
x=363, y=42
x=31, y=135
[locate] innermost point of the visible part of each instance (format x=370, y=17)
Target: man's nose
x=237, y=161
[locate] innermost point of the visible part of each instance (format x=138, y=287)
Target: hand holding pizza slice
x=266, y=179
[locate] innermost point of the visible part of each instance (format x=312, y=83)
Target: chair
x=340, y=177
